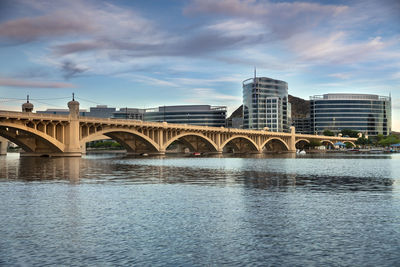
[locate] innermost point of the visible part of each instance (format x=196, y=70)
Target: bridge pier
x=292, y=141
x=3, y=146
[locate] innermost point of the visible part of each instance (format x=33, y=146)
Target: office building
x=129, y=114
x=265, y=104
x=101, y=111
x=61, y=111
x=302, y=125
x=204, y=115
x=369, y=114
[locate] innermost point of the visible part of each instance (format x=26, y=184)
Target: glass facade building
x=302, y=125
x=101, y=111
x=368, y=114
x=265, y=104
x=129, y=114
x=203, y=115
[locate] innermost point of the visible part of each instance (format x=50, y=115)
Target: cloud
x=396, y=103
x=71, y=70
x=281, y=19
x=72, y=18
x=396, y=76
x=29, y=29
x=11, y=82
x=106, y=39
x=202, y=95
x=334, y=48
x=342, y=76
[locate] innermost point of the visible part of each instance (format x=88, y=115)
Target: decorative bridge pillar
x=72, y=145
x=292, y=141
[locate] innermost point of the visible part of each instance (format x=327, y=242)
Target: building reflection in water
x=227, y=172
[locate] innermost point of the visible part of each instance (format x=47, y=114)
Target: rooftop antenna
x=27, y=98
x=255, y=72
x=73, y=97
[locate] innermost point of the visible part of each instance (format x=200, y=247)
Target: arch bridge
x=67, y=135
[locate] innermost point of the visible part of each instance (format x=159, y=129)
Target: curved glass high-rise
x=265, y=104
x=369, y=114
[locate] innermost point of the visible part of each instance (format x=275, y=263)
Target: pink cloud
x=10, y=82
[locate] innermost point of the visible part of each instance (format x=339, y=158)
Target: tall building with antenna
x=265, y=104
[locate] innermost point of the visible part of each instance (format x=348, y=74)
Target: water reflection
x=174, y=211
x=42, y=169
x=271, y=175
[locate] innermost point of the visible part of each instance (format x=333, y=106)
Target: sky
x=146, y=54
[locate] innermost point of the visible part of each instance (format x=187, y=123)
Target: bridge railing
x=6, y=113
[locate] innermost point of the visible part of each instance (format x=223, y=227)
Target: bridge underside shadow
x=190, y=143
x=240, y=145
x=275, y=146
x=302, y=144
x=133, y=144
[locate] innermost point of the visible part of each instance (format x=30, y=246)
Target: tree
x=350, y=133
x=328, y=133
x=375, y=140
x=349, y=145
x=362, y=141
x=389, y=140
x=314, y=143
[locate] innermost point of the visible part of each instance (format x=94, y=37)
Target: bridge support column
x=161, y=140
x=72, y=145
x=218, y=143
x=292, y=141
x=3, y=146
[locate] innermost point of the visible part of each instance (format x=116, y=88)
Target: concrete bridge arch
x=121, y=135
x=299, y=141
x=30, y=139
x=280, y=140
x=253, y=145
x=352, y=143
x=210, y=143
x=327, y=142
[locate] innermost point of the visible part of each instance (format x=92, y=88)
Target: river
x=116, y=210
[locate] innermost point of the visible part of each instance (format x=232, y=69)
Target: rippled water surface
x=114, y=210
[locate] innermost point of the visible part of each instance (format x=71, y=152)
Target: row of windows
x=270, y=81
x=348, y=119
x=379, y=115
x=267, y=116
x=349, y=124
x=152, y=114
x=182, y=116
x=319, y=107
x=269, y=86
x=345, y=102
x=201, y=123
x=361, y=128
x=187, y=120
x=263, y=124
x=349, y=110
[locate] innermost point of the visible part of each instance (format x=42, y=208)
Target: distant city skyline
x=147, y=54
